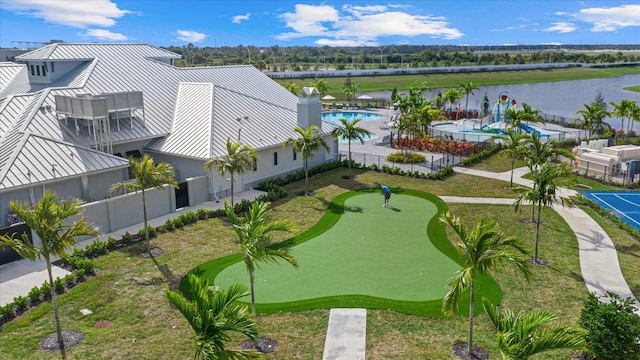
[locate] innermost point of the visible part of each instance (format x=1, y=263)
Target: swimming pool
x=471, y=130
x=335, y=116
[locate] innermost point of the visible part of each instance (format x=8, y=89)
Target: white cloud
x=361, y=25
x=610, y=19
x=190, y=36
x=102, y=34
x=75, y=13
x=561, y=27
x=240, y=18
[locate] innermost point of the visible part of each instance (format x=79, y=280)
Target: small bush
x=45, y=290
x=69, y=280
x=6, y=311
x=402, y=158
x=127, y=238
x=35, y=294
x=613, y=329
x=111, y=243
x=177, y=222
x=79, y=274
x=20, y=302
x=58, y=285
x=150, y=229
x=202, y=213
x=169, y=225
x=77, y=252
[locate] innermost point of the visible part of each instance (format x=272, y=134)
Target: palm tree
x=544, y=193
x=482, y=249
x=254, y=231
x=321, y=84
x=49, y=220
x=537, y=152
x=451, y=96
x=350, y=90
x=512, y=143
x=213, y=314
x=466, y=90
x=526, y=115
x=239, y=157
x=593, y=117
x=306, y=144
x=521, y=335
x=350, y=131
x=147, y=175
x=624, y=109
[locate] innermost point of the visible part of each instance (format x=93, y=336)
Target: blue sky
x=312, y=23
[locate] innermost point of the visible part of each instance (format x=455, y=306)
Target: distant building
x=71, y=114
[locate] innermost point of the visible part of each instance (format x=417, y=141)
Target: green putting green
x=360, y=254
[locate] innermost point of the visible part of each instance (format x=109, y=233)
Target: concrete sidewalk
x=17, y=278
x=598, y=256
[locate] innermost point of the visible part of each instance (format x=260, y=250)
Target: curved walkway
x=598, y=257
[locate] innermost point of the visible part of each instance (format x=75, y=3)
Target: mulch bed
x=459, y=350
x=263, y=345
x=69, y=337
x=155, y=252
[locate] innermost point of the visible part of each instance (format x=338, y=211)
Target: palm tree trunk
x=231, y=189
x=306, y=177
x=349, y=156
x=513, y=162
x=471, y=306
x=253, y=297
x=144, y=215
x=54, y=301
x=535, y=251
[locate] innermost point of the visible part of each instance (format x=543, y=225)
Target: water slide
x=528, y=129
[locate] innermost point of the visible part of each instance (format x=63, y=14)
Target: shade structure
x=364, y=97
x=328, y=97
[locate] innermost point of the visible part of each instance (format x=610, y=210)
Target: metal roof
x=191, y=103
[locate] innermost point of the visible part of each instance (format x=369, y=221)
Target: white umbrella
x=328, y=97
x=364, y=97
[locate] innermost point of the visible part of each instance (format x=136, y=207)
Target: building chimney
x=309, y=108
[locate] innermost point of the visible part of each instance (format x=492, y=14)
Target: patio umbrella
x=328, y=97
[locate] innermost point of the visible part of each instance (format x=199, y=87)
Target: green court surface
x=360, y=254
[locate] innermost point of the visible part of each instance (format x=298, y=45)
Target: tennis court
x=624, y=204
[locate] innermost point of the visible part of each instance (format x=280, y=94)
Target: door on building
x=182, y=195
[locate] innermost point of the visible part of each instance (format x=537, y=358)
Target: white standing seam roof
x=198, y=106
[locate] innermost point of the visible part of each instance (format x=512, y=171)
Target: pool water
x=469, y=130
x=335, y=116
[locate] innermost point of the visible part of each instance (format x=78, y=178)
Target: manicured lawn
x=448, y=80
x=128, y=291
x=360, y=255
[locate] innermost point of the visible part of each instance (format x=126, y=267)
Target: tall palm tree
x=50, y=221
x=147, y=175
x=544, y=193
x=239, y=157
x=624, y=109
x=350, y=131
x=307, y=143
x=321, y=84
x=525, y=115
x=466, y=90
x=537, y=152
x=512, y=143
x=593, y=117
x=522, y=335
x=213, y=314
x=254, y=233
x=350, y=90
x=482, y=248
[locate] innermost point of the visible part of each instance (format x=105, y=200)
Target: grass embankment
x=453, y=80
x=633, y=88
x=128, y=291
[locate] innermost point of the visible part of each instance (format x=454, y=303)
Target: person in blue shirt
x=387, y=194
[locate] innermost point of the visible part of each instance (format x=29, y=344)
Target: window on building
x=255, y=164
x=275, y=158
x=52, y=66
x=295, y=155
x=44, y=70
x=33, y=70
x=38, y=70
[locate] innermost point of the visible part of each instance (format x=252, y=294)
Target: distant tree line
x=303, y=58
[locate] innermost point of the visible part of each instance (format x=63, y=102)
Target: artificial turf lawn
x=362, y=255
